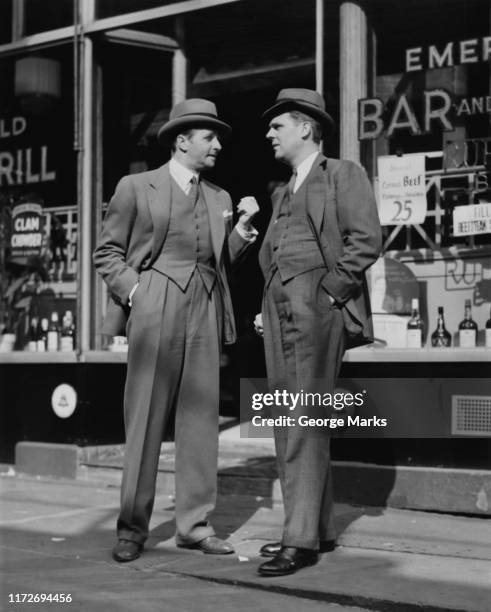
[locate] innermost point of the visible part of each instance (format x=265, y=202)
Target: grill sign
x=22, y=166
x=27, y=231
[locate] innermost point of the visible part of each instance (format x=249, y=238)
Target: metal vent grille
x=471, y=415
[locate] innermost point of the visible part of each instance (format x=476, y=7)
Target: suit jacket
x=134, y=230
x=343, y=215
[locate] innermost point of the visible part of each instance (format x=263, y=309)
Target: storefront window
x=110, y=8
x=41, y=16
x=136, y=100
x=38, y=212
x=243, y=82
x=428, y=126
x=137, y=86
x=5, y=22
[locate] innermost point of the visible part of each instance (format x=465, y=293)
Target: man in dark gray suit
x=323, y=235
x=165, y=247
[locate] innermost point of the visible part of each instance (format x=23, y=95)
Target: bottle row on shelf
x=441, y=337
x=48, y=335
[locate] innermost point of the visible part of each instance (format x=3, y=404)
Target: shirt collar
x=181, y=174
x=304, y=168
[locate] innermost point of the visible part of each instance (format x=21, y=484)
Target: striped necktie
x=194, y=191
x=291, y=183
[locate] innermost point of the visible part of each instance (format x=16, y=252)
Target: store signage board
x=472, y=219
x=431, y=109
x=440, y=109
x=22, y=165
x=452, y=54
x=401, y=189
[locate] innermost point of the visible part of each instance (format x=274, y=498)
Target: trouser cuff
x=195, y=535
x=133, y=536
x=296, y=543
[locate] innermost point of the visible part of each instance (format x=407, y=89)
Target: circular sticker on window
x=64, y=401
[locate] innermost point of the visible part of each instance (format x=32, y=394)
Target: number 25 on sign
x=401, y=189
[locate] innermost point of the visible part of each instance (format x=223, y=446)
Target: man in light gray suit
x=166, y=244
x=323, y=235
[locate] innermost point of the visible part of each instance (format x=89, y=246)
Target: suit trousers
x=173, y=363
x=304, y=341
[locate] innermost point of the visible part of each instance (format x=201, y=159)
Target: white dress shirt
x=303, y=169
x=182, y=175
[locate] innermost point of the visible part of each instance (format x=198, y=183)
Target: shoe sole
x=206, y=552
x=323, y=550
x=287, y=573
x=119, y=560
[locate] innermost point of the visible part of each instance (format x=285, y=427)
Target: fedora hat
x=194, y=112
x=307, y=101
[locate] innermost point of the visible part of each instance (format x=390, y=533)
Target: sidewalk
x=57, y=536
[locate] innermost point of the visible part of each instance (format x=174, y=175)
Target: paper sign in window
x=401, y=189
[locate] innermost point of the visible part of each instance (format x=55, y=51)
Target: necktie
x=291, y=183
x=194, y=191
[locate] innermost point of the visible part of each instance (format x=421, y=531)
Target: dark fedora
x=307, y=101
x=192, y=113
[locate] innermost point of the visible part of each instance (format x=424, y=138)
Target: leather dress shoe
x=288, y=561
x=211, y=546
x=126, y=550
x=273, y=548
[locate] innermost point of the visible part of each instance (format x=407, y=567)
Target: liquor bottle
x=8, y=337
x=67, y=341
x=441, y=337
x=33, y=335
x=488, y=332
x=467, y=328
x=7, y=325
x=42, y=336
x=415, y=325
x=53, y=333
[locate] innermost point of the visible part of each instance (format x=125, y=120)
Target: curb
x=380, y=605
x=251, y=470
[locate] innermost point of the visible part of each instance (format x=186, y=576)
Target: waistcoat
x=295, y=249
x=188, y=245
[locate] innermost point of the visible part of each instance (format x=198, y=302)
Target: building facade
x=87, y=83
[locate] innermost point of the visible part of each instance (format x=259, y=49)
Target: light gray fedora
x=192, y=113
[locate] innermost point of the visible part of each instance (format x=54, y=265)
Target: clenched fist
x=258, y=324
x=247, y=209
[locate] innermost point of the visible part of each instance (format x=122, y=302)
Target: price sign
x=401, y=189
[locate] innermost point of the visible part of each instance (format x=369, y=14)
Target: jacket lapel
x=215, y=215
x=317, y=192
x=159, y=202
x=276, y=200
x=265, y=252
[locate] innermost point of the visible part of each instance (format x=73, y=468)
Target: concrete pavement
x=56, y=536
